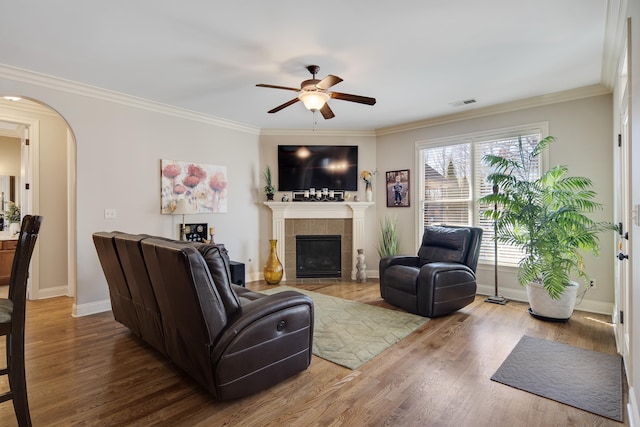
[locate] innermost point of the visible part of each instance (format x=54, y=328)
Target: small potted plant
x=546, y=218
x=269, y=189
x=12, y=216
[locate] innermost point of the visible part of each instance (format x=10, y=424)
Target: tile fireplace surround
x=282, y=211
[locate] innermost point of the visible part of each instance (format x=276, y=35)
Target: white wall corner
x=632, y=409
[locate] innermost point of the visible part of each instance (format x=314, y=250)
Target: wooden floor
x=91, y=371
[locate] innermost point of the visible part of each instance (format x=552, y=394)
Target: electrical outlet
x=592, y=283
x=110, y=214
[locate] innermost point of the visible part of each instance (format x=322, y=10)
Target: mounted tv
x=301, y=167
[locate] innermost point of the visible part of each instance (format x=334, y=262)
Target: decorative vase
x=368, y=192
x=14, y=228
x=269, y=197
x=361, y=267
x=273, y=268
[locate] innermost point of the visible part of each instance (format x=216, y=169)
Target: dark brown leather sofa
x=441, y=279
x=178, y=297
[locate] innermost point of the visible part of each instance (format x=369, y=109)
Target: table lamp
x=182, y=208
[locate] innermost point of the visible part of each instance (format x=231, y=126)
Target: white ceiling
x=416, y=57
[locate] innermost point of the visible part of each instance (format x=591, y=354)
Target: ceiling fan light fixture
x=313, y=100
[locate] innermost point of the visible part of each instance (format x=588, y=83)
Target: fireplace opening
x=318, y=256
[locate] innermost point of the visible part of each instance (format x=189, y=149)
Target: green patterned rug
x=350, y=333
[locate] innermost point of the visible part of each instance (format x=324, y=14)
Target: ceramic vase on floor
x=361, y=267
x=273, y=270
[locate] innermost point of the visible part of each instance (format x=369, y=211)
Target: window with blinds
x=455, y=177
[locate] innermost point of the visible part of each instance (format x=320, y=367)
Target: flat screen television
x=301, y=167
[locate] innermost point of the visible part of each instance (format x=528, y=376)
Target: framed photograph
x=195, y=232
x=398, y=189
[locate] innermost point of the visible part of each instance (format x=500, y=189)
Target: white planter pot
x=543, y=306
x=14, y=228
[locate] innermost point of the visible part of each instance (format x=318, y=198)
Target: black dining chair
x=12, y=319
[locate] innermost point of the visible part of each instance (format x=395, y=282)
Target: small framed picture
x=398, y=189
x=195, y=232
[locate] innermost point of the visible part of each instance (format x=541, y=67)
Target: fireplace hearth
x=318, y=256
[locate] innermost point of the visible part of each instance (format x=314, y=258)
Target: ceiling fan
x=314, y=94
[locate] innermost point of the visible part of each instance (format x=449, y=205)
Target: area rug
x=350, y=333
x=586, y=379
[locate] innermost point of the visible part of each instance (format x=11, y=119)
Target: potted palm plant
x=546, y=218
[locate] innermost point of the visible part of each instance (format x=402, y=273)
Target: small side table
x=237, y=273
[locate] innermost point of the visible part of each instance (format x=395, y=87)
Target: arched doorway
x=47, y=188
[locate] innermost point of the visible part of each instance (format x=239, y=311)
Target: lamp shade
x=313, y=100
x=182, y=208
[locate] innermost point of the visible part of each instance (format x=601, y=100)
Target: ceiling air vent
x=464, y=102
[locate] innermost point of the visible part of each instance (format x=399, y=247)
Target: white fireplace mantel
x=309, y=210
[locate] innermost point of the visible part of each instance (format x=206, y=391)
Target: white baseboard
x=80, y=310
x=59, y=291
x=588, y=305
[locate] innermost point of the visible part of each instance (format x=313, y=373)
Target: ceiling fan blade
x=326, y=111
x=295, y=89
x=328, y=81
x=285, y=105
x=353, y=98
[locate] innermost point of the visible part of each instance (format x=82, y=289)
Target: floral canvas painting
x=204, y=187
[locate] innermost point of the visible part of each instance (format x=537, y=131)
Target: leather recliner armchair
x=441, y=279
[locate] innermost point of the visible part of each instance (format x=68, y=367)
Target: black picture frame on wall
x=398, y=188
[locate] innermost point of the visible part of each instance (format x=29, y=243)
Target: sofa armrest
x=439, y=281
x=389, y=261
x=386, y=262
x=269, y=339
x=262, y=307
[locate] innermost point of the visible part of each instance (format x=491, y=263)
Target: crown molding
x=536, y=101
x=55, y=83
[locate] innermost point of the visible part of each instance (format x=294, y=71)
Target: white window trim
x=541, y=127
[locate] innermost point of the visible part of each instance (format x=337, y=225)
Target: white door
x=623, y=211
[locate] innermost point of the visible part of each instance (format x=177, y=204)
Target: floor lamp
x=496, y=298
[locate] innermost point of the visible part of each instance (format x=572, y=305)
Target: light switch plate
x=110, y=213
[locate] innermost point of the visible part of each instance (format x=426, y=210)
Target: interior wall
x=118, y=153
x=9, y=156
x=584, y=131
x=366, y=143
x=9, y=166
